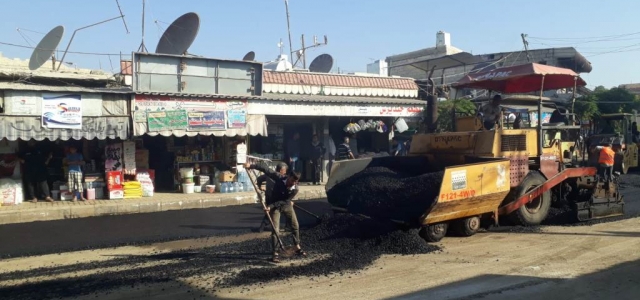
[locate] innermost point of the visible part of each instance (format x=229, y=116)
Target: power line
x=73, y=52
x=586, y=38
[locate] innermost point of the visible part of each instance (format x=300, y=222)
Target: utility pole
x=526, y=46
x=286, y=5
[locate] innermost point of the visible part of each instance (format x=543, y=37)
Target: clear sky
x=359, y=31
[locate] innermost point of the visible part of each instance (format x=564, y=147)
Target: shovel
x=318, y=218
x=286, y=251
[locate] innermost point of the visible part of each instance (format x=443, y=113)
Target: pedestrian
x=606, y=160
x=75, y=161
x=281, y=202
x=343, y=151
x=317, y=153
x=293, y=152
x=35, y=173
x=491, y=112
x=281, y=168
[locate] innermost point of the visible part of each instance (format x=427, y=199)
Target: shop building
x=325, y=104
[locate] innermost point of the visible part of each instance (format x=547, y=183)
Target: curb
x=62, y=210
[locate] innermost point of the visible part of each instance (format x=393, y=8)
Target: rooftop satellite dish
x=45, y=48
x=251, y=56
x=321, y=64
x=179, y=35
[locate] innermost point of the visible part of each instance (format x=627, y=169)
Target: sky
x=359, y=32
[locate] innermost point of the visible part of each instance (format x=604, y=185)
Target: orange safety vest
x=606, y=156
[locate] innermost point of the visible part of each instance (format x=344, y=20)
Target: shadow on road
x=617, y=282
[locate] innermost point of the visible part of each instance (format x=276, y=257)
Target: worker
x=635, y=135
x=517, y=123
x=343, y=151
x=490, y=112
x=285, y=188
x=606, y=160
x=281, y=168
x=608, y=128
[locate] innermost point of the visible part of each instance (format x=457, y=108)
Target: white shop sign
x=330, y=109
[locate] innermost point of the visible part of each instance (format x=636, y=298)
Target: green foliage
x=614, y=96
x=586, y=108
x=445, y=110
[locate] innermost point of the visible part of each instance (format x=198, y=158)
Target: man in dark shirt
x=268, y=189
x=343, y=151
x=35, y=173
x=317, y=152
x=281, y=202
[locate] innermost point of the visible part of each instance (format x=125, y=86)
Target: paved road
x=582, y=262
x=39, y=238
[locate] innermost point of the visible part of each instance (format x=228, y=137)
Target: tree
x=586, y=108
x=445, y=110
x=615, y=100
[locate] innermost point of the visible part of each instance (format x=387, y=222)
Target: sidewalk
x=45, y=211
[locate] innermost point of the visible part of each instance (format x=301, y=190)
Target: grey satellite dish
x=45, y=48
x=321, y=64
x=251, y=56
x=179, y=35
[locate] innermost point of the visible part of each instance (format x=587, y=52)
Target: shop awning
x=26, y=128
x=256, y=125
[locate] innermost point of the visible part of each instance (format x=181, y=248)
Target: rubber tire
x=466, y=227
x=524, y=217
x=620, y=166
x=433, y=233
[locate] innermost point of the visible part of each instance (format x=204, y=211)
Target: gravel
x=383, y=193
x=343, y=245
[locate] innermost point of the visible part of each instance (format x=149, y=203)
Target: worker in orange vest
x=606, y=161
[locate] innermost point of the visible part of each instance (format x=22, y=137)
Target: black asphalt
x=37, y=238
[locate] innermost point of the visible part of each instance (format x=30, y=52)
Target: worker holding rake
x=281, y=202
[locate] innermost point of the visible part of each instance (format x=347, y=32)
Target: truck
x=501, y=174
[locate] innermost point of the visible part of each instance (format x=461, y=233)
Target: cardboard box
x=115, y=179
x=116, y=194
x=142, y=159
x=227, y=176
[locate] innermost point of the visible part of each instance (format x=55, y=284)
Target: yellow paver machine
x=491, y=176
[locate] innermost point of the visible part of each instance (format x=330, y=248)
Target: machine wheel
x=467, y=226
x=621, y=166
x=534, y=212
x=433, y=233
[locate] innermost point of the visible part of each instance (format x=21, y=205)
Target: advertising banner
x=206, y=120
x=237, y=118
x=167, y=120
x=62, y=111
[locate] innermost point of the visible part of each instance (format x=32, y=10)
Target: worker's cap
x=496, y=98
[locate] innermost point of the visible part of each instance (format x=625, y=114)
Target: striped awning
x=26, y=128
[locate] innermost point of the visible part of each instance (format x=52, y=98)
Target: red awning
x=521, y=79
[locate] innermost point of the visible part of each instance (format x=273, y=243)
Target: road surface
x=556, y=262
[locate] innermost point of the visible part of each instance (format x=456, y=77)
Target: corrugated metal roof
x=339, y=80
x=50, y=88
x=342, y=99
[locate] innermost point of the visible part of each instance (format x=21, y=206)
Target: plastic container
x=91, y=194
x=197, y=189
x=224, y=188
x=187, y=188
x=186, y=172
x=55, y=195
x=210, y=188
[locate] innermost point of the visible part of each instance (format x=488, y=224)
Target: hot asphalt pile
x=383, y=193
x=341, y=246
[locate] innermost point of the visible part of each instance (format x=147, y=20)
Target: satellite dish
x=251, y=56
x=45, y=48
x=179, y=35
x=321, y=64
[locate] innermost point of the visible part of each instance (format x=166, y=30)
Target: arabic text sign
x=237, y=118
x=206, y=120
x=145, y=103
x=167, y=120
x=62, y=111
x=288, y=108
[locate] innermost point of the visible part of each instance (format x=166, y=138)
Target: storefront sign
x=147, y=103
x=27, y=128
x=206, y=120
x=167, y=120
x=129, y=155
x=113, y=157
x=237, y=118
x=339, y=110
x=62, y=111
x=26, y=105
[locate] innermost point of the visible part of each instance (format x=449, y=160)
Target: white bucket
x=401, y=125
x=186, y=172
x=197, y=188
x=187, y=188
